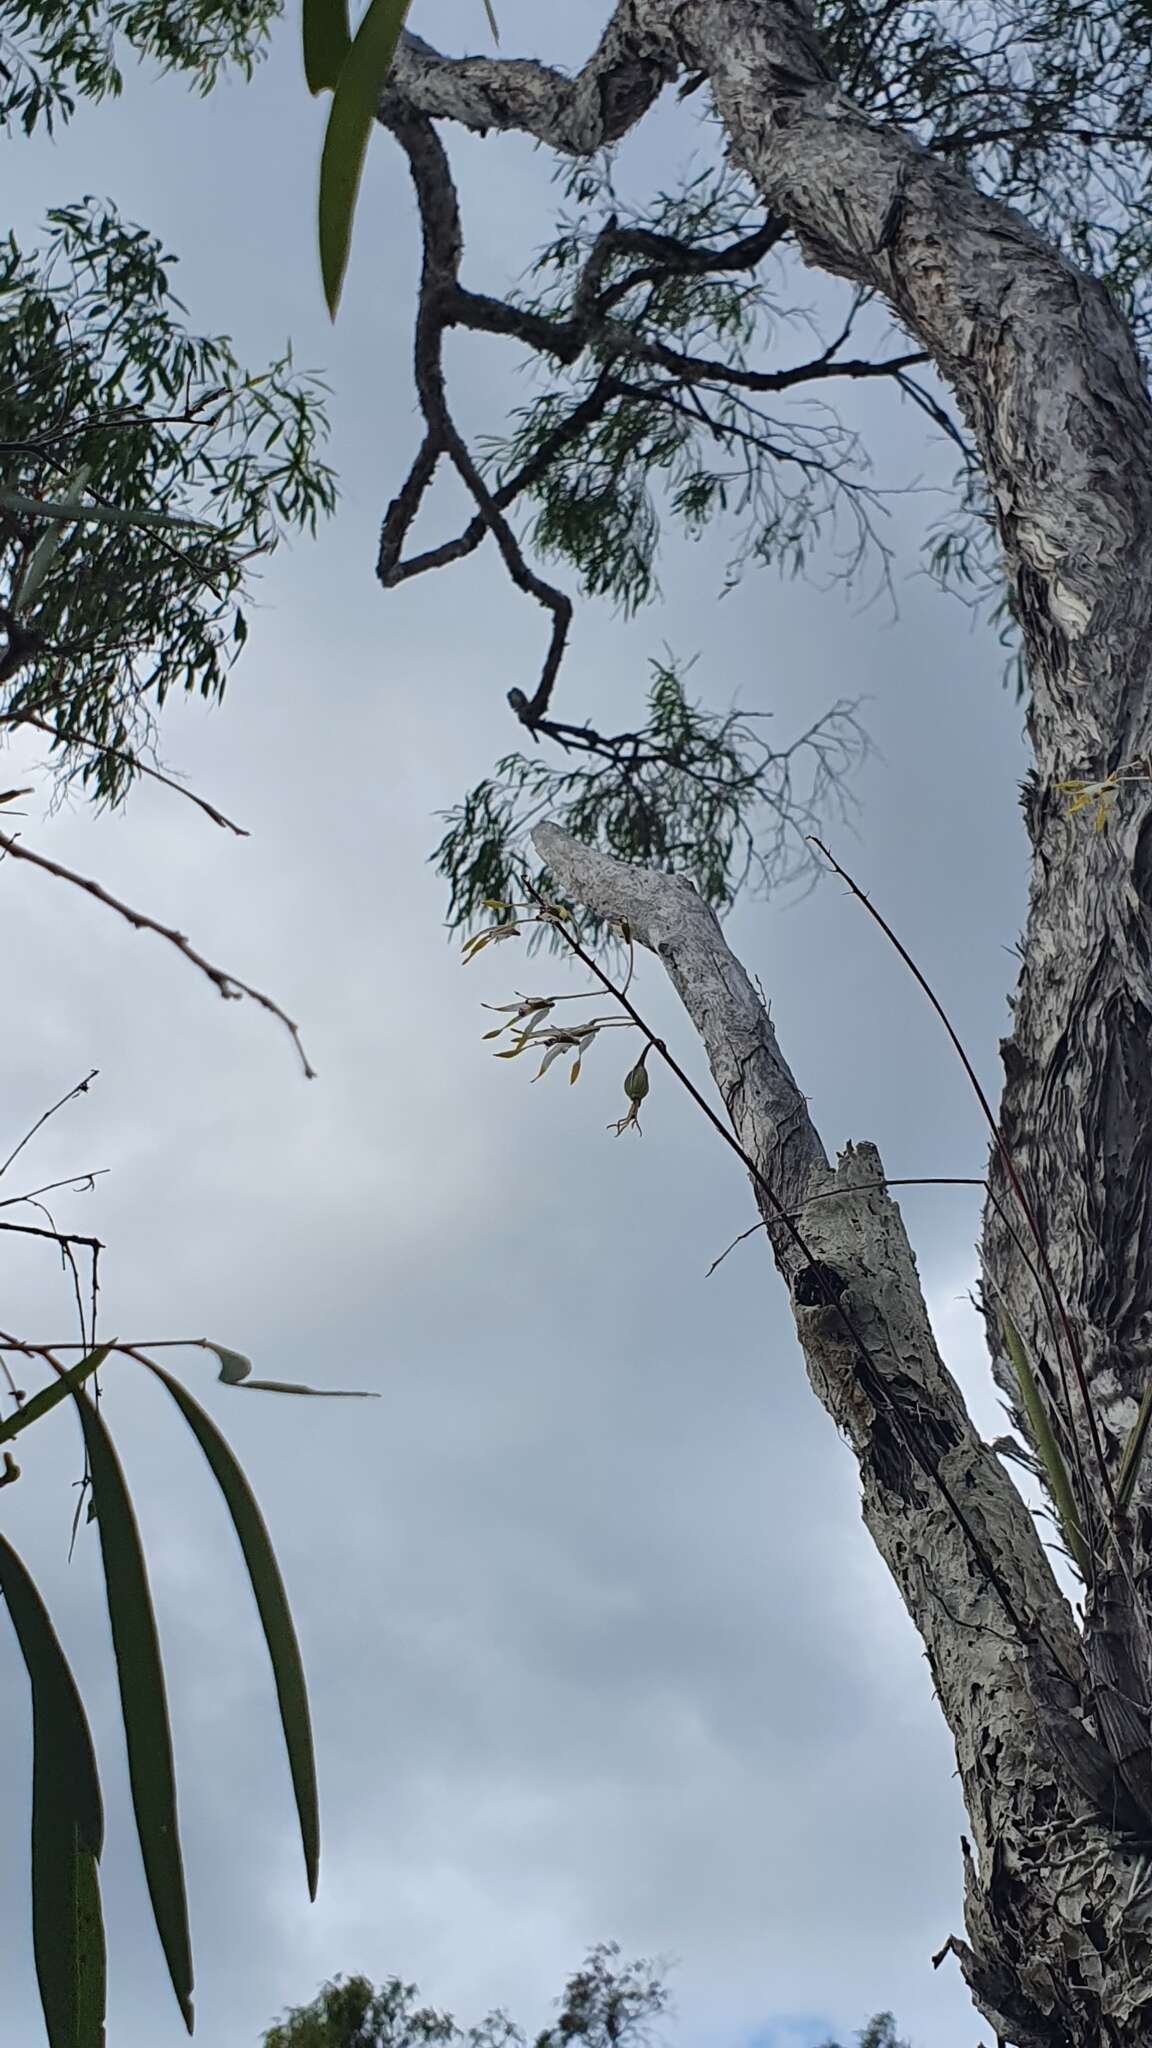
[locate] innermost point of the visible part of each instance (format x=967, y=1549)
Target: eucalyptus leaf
x=235, y=1369
x=1060, y=1486
x=51, y=1396
x=46, y=548
x=65, y=511
x=327, y=41
x=350, y=120
x=67, y=1826
x=318, y=1393
x=143, y=1699
x=272, y=1604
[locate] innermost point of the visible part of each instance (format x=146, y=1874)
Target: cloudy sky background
x=598, y=1646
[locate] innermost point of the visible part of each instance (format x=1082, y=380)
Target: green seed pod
x=636, y=1083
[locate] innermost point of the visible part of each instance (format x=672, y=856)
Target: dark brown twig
x=439, y=288
x=80, y=1183
x=81, y=1088
x=590, y=323
x=228, y=985
x=922, y=1180
x=62, y=1237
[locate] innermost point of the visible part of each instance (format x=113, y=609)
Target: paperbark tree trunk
x=1050, y=1714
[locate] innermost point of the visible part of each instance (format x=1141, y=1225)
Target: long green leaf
x=143, y=1700
x=1059, y=1483
x=67, y=1826
x=275, y=1614
x=51, y=1396
x=66, y=511
x=350, y=119
x=1134, y=1452
x=48, y=546
x=327, y=41
x=235, y=1371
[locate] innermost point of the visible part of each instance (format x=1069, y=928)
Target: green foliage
x=67, y=1826
x=327, y=41
x=693, y=790
x=143, y=1698
x=688, y=448
x=879, y=2033
x=54, y=52
x=274, y=1611
x=357, y=85
x=67, y=1830
x=105, y=393
x=349, y=2013
x=605, y=2005
x=1049, y=102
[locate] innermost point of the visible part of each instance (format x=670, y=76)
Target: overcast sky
x=598, y=1646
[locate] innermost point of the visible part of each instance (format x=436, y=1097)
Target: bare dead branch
x=60, y=1237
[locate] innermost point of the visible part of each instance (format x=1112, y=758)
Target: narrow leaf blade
x=327, y=41
x=67, y=1826
x=49, y=544
x=350, y=119
x=1049, y=1450
x=1134, y=1452
x=143, y=1700
x=235, y=1371
x=273, y=1608
x=318, y=1393
x=51, y=1396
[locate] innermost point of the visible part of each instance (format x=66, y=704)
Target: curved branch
x=440, y=223
x=625, y=75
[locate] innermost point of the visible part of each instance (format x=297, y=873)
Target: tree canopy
x=605, y=2004
x=673, y=387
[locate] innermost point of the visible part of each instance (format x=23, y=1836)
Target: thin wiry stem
x=871, y=1375
x=228, y=985
x=1013, y=1177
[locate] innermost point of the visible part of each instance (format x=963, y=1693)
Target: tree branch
x=226, y=984
x=956, y=1539
x=440, y=223
x=626, y=74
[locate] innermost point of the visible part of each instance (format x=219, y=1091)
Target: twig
x=140, y=767
x=439, y=288
x=923, y=1180
x=228, y=985
x=871, y=1376
x=78, y=1182
x=92, y=1244
x=1010, y=1172
x=81, y=1088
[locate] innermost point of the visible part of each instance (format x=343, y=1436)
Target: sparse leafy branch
x=691, y=789
x=657, y=330
x=188, y=468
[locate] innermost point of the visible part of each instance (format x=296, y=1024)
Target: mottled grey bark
x=1050, y=1717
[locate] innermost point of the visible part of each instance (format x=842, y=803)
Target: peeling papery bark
x=1051, y=1715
